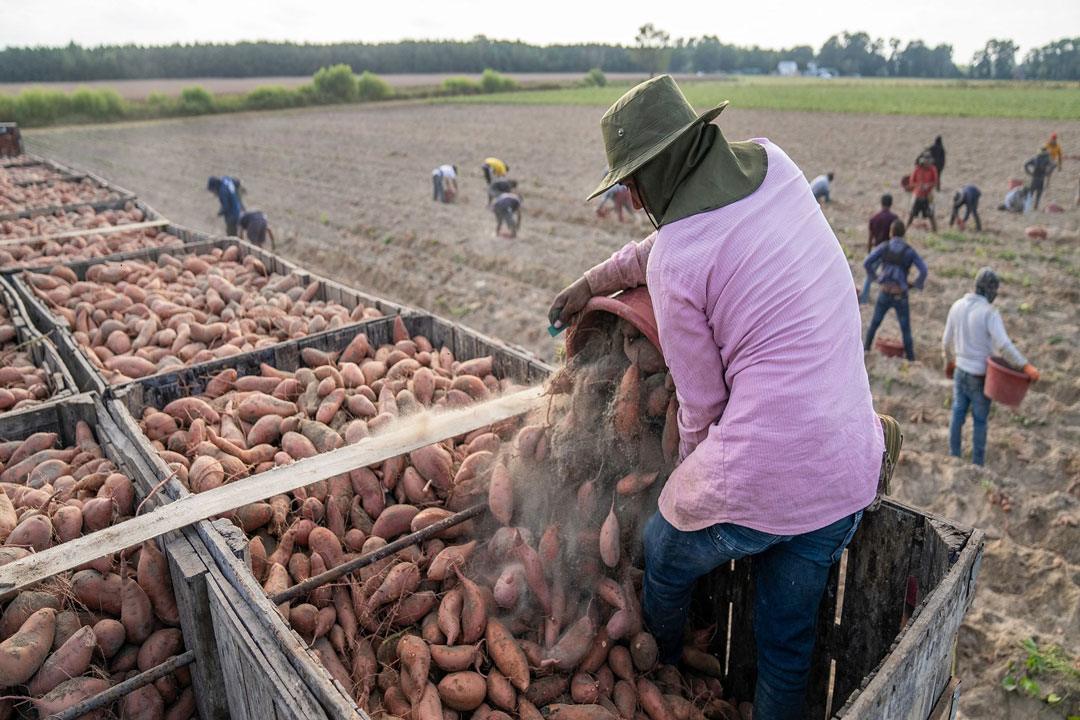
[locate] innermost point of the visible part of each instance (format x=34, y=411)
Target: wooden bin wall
x=85, y=373
x=42, y=350
x=157, y=391
x=187, y=568
x=908, y=581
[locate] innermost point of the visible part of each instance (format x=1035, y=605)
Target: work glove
x=1031, y=372
x=569, y=302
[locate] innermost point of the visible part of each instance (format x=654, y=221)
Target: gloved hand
x=569, y=302
x=1031, y=372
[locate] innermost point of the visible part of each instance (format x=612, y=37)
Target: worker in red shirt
x=924, y=179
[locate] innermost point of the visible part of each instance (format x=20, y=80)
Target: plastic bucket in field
x=634, y=306
x=1003, y=384
x=889, y=346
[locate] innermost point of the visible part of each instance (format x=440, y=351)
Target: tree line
x=849, y=53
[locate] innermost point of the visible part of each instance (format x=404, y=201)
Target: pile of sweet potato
x=141, y=317
x=534, y=606
x=15, y=198
x=77, y=634
x=22, y=383
x=16, y=174
x=81, y=247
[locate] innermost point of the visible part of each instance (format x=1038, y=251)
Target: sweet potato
x=507, y=655
x=34, y=532
x=70, y=660
x=22, y=654
x=415, y=665
x=442, y=564
x=562, y=711
x=705, y=663
x=644, y=651
x=652, y=701
x=454, y=658
x=401, y=580
x=69, y=693
x=97, y=591
x=137, y=613
x=393, y=521
x=449, y=615
x=159, y=647
x=501, y=494
x=573, y=644
x=110, y=636
x=624, y=698
x=609, y=538
x=534, y=571
x=463, y=690
x=635, y=482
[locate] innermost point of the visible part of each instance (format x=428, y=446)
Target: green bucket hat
x=642, y=123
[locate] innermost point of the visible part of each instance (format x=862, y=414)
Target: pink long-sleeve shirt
x=760, y=326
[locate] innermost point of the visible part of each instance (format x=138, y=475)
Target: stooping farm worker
x=444, y=183
x=507, y=209
x=924, y=179
x=619, y=196
x=498, y=187
x=973, y=332
x=895, y=258
x=760, y=332
x=821, y=186
x=880, y=230
x=255, y=225
x=1014, y=200
x=227, y=190
x=966, y=197
x=493, y=168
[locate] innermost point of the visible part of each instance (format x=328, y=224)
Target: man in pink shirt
x=780, y=446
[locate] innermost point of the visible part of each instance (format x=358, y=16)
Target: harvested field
x=348, y=192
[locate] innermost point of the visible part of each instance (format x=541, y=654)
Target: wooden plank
x=742, y=656
x=874, y=592
x=817, y=690
x=945, y=709
x=189, y=585
x=419, y=430
x=87, y=231
x=908, y=683
x=266, y=621
x=256, y=690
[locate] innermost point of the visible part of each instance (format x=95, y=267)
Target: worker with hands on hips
x=780, y=448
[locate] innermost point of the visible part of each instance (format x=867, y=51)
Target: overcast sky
x=780, y=23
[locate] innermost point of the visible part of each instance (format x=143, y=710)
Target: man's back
x=975, y=331
x=880, y=224
x=775, y=360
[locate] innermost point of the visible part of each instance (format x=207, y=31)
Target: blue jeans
x=864, y=296
x=968, y=392
x=439, y=193
x=790, y=572
x=885, y=301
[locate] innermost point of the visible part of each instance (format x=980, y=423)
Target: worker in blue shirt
x=228, y=192
x=896, y=258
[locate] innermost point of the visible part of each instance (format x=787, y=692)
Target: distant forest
x=847, y=53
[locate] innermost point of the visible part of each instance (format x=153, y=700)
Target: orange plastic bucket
x=1003, y=384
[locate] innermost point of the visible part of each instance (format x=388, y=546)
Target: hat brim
x=630, y=166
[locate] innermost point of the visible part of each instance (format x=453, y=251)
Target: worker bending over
x=507, y=209
x=493, y=169
x=966, y=197
x=444, y=182
x=780, y=447
x=254, y=223
x=227, y=190
x=974, y=332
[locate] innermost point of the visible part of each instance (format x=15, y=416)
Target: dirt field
x=349, y=189
x=140, y=89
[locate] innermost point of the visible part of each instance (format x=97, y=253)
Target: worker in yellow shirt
x=493, y=169
x=1055, y=149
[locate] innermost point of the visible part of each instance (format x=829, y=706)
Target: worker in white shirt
x=444, y=180
x=974, y=332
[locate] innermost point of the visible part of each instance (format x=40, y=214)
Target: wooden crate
x=129, y=402
x=188, y=569
x=10, y=140
x=41, y=349
x=907, y=580
x=86, y=374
